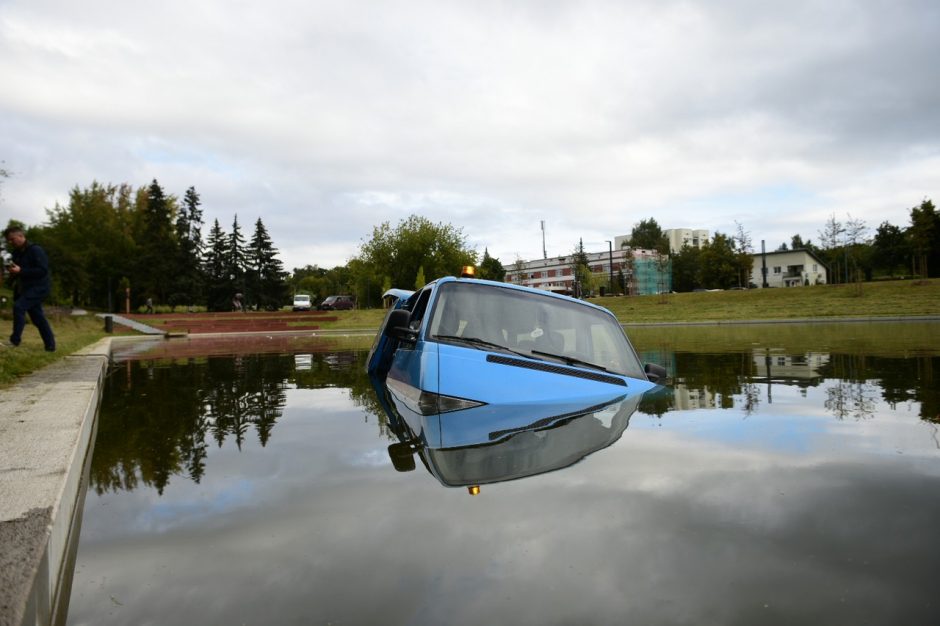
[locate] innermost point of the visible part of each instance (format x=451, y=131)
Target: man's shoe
x=52, y=349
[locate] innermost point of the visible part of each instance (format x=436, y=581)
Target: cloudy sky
x=327, y=118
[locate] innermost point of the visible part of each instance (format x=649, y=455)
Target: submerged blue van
x=463, y=343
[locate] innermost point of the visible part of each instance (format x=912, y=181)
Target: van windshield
x=542, y=327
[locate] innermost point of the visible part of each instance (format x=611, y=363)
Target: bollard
x=108, y=324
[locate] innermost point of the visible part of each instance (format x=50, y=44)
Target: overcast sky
x=326, y=119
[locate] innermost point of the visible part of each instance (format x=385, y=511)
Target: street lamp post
x=610, y=252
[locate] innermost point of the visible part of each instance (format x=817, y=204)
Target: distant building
x=678, y=238
x=789, y=268
x=643, y=272
x=682, y=237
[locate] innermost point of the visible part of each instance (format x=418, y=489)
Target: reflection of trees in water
x=859, y=380
x=851, y=399
x=750, y=398
x=854, y=382
x=155, y=417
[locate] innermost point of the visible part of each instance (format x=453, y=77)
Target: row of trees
x=852, y=254
x=111, y=240
x=408, y=256
x=846, y=248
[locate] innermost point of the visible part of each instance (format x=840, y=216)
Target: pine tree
x=581, y=270
x=218, y=281
x=158, y=249
x=267, y=284
x=190, y=277
x=237, y=260
x=491, y=268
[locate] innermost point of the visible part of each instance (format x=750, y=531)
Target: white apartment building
x=678, y=238
x=681, y=237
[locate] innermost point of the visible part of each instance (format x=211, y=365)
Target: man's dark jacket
x=33, y=280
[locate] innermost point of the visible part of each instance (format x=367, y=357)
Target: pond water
x=789, y=474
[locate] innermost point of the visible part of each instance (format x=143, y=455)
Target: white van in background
x=302, y=302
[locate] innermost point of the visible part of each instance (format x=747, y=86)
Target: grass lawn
x=71, y=333
x=883, y=299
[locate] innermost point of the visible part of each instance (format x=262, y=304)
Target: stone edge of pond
x=47, y=421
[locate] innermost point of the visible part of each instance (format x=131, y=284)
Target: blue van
x=463, y=343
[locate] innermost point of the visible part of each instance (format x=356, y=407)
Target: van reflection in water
x=503, y=444
x=487, y=381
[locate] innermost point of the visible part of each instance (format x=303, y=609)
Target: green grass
x=882, y=299
x=72, y=333
x=904, y=340
x=824, y=302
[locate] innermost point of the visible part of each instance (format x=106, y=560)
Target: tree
x=832, y=247
x=490, y=268
x=581, y=270
x=686, y=269
x=924, y=234
x=419, y=279
x=215, y=264
x=797, y=243
x=236, y=263
x=857, y=251
x=890, y=250
x=744, y=259
x=647, y=235
x=720, y=265
x=189, y=275
x=441, y=249
x=158, y=250
x=266, y=275
x=90, y=244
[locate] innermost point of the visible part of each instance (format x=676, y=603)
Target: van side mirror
x=397, y=326
x=655, y=373
x=402, y=456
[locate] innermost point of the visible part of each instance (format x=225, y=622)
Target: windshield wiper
x=570, y=360
x=480, y=343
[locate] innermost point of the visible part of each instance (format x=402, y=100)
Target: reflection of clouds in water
x=784, y=515
x=368, y=458
x=325, y=399
x=800, y=421
x=178, y=511
x=798, y=536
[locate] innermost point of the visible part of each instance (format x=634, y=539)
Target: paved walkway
x=46, y=426
x=135, y=325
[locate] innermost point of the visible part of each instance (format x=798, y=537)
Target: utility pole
x=763, y=269
x=544, y=252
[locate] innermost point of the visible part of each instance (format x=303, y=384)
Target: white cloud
x=327, y=119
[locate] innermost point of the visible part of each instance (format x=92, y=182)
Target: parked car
x=302, y=302
x=337, y=303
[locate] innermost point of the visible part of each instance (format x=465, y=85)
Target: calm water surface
x=789, y=474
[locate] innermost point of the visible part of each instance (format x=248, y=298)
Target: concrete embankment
x=46, y=423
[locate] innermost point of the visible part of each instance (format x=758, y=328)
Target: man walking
x=30, y=269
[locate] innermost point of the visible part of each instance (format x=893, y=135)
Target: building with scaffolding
x=619, y=271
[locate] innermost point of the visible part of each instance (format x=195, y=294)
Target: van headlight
x=426, y=402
